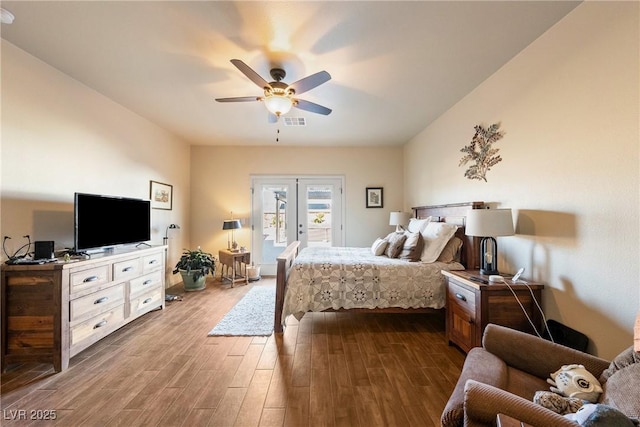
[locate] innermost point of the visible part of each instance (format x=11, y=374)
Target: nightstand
x=471, y=305
x=237, y=262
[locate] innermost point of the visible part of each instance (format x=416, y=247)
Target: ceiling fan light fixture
x=278, y=104
x=6, y=17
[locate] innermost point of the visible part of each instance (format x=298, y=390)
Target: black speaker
x=44, y=250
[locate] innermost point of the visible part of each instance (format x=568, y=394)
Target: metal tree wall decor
x=481, y=153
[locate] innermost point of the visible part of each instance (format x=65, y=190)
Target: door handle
x=300, y=232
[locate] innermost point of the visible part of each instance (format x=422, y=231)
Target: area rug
x=251, y=316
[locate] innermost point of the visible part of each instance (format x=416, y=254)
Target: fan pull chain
x=278, y=135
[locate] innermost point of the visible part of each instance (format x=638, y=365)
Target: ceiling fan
x=279, y=97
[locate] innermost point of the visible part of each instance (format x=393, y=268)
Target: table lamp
x=231, y=224
x=399, y=219
x=488, y=224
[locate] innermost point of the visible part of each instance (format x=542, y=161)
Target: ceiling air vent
x=294, y=121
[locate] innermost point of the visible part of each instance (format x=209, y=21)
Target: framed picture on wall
x=374, y=197
x=161, y=195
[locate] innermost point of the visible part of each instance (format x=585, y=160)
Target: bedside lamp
x=488, y=224
x=231, y=224
x=399, y=219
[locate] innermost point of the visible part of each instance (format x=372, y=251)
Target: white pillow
x=379, y=246
x=435, y=236
x=418, y=225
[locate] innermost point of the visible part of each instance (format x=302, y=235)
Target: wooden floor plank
x=227, y=411
x=280, y=383
x=320, y=404
x=333, y=369
x=272, y=417
x=251, y=410
x=297, y=414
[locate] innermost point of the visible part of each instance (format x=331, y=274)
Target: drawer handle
x=461, y=297
x=100, y=325
x=153, y=261
x=124, y=270
x=148, y=300
x=146, y=282
x=90, y=279
x=101, y=300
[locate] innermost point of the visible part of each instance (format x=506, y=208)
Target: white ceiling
x=395, y=66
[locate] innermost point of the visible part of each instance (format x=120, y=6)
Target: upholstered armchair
x=503, y=375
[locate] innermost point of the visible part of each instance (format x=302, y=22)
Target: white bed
x=343, y=278
x=340, y=278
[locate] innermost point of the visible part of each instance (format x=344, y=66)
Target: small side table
x=471, y=305
x=238, y=262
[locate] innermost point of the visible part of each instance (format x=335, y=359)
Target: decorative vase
x=192, y=285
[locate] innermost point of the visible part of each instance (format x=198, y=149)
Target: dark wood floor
x=329, y=369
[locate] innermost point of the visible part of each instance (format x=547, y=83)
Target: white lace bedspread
x=339, y=277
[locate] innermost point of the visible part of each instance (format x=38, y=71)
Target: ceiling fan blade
x=312, y=107
x=309, y=82
x=240, y=99
x=252, y=75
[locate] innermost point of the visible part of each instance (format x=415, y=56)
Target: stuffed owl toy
x=575, y=381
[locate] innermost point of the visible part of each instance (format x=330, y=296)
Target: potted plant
x=194, y=267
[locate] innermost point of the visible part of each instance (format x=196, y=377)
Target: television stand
x=74, y=304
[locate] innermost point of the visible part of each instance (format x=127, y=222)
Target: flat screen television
x=107, y=221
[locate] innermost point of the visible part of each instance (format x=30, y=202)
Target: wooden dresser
x=471, y=305
x=51, y=312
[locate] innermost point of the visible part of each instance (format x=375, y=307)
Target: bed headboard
x=456, y=213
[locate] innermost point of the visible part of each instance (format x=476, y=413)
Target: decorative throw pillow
x=436, y=235
x=619, y=389
x=418, y=225
x=396, y=242
x=621, y=380
x=451, y=251
x=556, y=403
x=379, y=246
x=412, y=247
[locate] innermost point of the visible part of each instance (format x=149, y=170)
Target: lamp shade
x=278, y=104
x=399, y=218
x=489, y=223
x=231, y=224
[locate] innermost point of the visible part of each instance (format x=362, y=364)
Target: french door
x=285, y=209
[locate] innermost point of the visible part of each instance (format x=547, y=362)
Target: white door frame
x=291, y=183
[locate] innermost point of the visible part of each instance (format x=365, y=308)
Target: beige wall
x=569, y=107
x=59, y=137
x=221, y=179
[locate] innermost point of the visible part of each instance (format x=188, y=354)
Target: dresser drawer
x=461, y=296
x=96, y=303
x=145, y=302
x=153, y=261
x=125, y=269
x=98, y=326
x=87, y=279
x=145, y=283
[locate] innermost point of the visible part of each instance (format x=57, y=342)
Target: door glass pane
x=274, y=221
x=319, y=215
